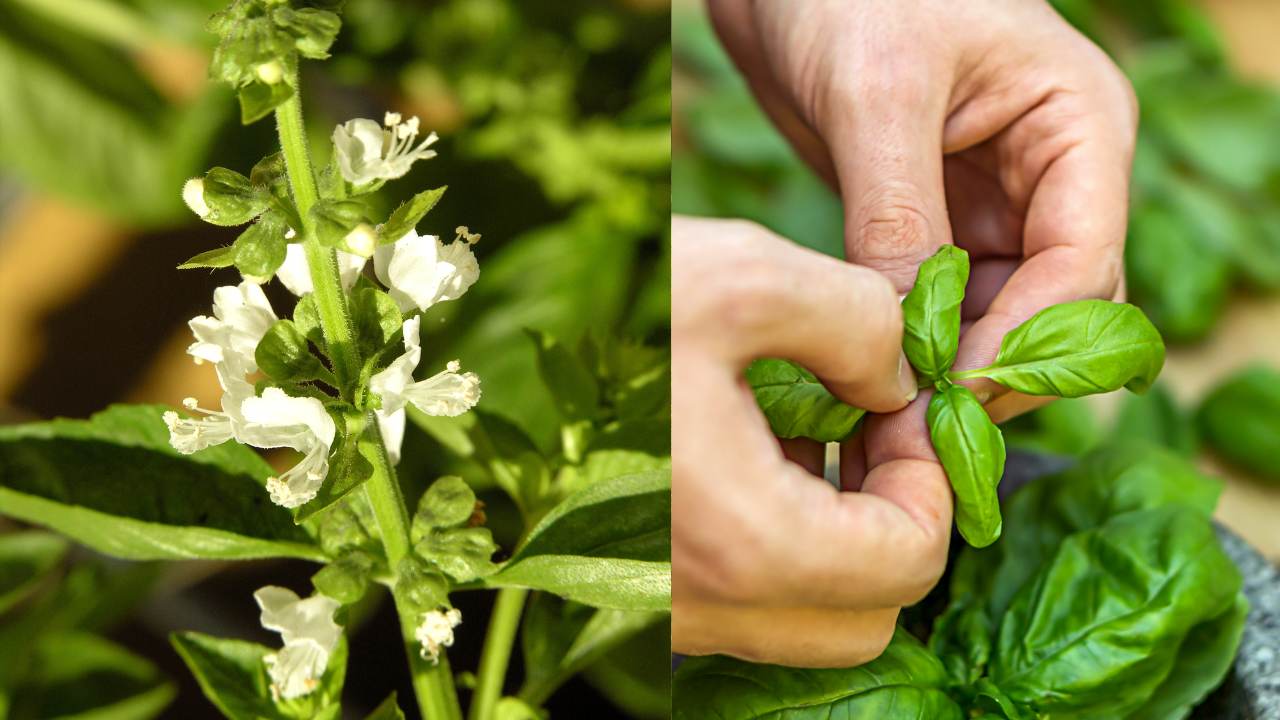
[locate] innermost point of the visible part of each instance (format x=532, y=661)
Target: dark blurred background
x=555, y=127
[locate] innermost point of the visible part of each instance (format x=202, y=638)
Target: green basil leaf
x=931, y=312
x=1079, y=348
x=572, y=386
x=607, y=545
x=1204, y=658
x=561, y=638
x=905, y=683
x=216, y=258
x=389, y=709
x=1172, y=276
x=1098, y=629
x=25, y=559
x=1240, y=420
x=962, y=637
x=510, y=708
x=971, y=449
x=1227, y=226
x=80, y=675
x=233, y=676
x=112, y=482
x=409, y=214
x=1154, y=417
x=284, y=355
x=260, y=249
x=796, y=404
x=1107, y=483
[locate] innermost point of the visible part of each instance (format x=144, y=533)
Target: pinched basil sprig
x=1068, y=350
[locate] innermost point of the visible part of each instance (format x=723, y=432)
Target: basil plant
x=340, y=381
x=1108, y=597
x=1068, y=350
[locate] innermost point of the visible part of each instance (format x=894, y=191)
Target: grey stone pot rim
x=1251, y=691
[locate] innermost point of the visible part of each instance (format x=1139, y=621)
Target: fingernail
x=907, y=378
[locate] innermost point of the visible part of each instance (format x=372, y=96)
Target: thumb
x=886, y=145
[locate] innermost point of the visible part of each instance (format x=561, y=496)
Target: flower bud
x=361, y=240
x=270, y=72
x=193, y=196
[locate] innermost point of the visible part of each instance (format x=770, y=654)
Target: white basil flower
x=420, y=271
x=367, y=151
x=278, y=420
x=296, y=274
x=436, y=632
x=447, y=393
x=310, y=636
x=189, y=435
x=241, y=316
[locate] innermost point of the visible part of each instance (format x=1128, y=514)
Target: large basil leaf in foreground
x=1241, y=420
x=797, y=405
x=971, y=449
x=607, y=545
x=931, y=312
x=905, y=683
x=1098, y=629
x=113, y=483
x=1079, y=348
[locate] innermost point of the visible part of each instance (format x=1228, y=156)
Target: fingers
x=889, y=164
x=796, y=637
x=745, y=293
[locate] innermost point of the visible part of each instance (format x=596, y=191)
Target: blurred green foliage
x=1206, y=185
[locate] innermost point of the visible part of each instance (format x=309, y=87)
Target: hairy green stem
x=331, y=302
x=497, y=652
x=432, y=683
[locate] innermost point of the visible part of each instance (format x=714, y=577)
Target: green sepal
x=334, y=219
x=306, y=317
x=258, y=100
x=448, y=503
x=346, y=579
x=441, y=535
x=313, y=30
x=377, y=319
x=231, y=198
x=216, y=258
x=349, y=465
x=420, y=586
x=409, y=214
x=284, y=355
x=260, y=250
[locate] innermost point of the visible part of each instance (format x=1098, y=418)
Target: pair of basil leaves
x=1068, y=350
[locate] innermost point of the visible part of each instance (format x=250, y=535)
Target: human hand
x=991, y=124
x=771, y=563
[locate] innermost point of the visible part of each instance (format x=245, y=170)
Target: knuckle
x=891, y=231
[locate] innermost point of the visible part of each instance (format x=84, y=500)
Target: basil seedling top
x=1068, y=350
